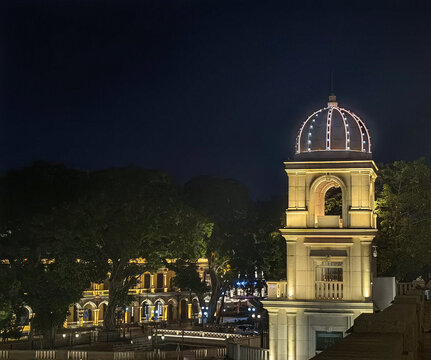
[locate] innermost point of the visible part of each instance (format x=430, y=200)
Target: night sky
x=206, y=87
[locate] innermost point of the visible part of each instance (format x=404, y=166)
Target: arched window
x=184, y=309
x=328, y=206
x=195, y=307
x=158, y=310
x=146, y=311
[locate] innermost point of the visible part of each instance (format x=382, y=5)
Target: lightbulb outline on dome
x=365, y=138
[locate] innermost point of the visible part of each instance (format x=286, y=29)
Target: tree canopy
x=126, y=214
x=28, y=244
x=404, y=213
x=62, y=229
x=245, y=237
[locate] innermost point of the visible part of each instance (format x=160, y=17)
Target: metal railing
x=329, y=290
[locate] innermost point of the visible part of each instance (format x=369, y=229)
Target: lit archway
x=172, y=310
x=318, y=191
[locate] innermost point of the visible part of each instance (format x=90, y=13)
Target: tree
x=225, y=203
x=42, y=269
x=123, y=215
x=404, y=214
x=262, y=248
x=269, y=243
x=334, y=201
x=187, y=279
x=11, y=303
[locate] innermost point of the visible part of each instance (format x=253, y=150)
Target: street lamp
x=374, y=250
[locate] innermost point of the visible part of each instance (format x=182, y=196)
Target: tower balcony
x=277, y=289
x=329, y=222
x=329, y=290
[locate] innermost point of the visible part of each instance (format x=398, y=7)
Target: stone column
x=165, y=285
x=282, y=335
x=291, y=336
x=165, y=312
x=189, y=311
x=152, y=283
x=291, y=268
x=366, y=268
x=139, y=313
x=80, y=317
x=96, y=317
x=151, y=309
x=273, y=333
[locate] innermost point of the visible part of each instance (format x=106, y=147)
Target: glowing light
x=345, y=128
x=305, y=144
x=298, y=139
x=357, y=123
x=328, y=128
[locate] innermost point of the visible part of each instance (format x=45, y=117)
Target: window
x=324, y=340
x=159, y=281
x=147, y=281
x=329, y=271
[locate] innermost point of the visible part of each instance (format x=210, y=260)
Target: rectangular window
x=159, y=281
x=324, y=340
x=147, y=281
x=329, y=271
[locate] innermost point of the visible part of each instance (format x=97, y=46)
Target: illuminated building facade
x=328, y=280
x=154, y=299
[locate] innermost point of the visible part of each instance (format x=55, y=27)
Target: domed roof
x=333, y=133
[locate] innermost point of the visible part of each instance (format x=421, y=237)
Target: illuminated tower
x=330, y=223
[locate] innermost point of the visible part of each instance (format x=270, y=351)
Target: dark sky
x=206, y=87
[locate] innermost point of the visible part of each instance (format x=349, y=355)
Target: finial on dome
x=332, y=100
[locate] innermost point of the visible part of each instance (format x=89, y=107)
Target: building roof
x=333, y=133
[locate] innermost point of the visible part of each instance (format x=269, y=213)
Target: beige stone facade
x=328, y=275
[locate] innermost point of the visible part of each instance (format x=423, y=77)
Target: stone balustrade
x=332, y=290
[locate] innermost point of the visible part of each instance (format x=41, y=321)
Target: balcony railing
x=89, y=293
x=133, y=291
x=329, y=221
x=277, y=289
x=329, y=290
